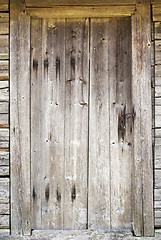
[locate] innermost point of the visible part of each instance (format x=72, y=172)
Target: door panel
x=81, y=123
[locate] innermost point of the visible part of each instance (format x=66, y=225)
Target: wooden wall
x=4, y=109
x=4, y=114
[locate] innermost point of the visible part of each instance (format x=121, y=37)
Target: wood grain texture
x=4, y=120
x=20, y=118
x=52, y=3
x=4, y=221
x=76, y=123
x=143, y=168
x=4, y=158
x=81, y=12
x=99, y=159
x=4, y=91
x=4, y=23
x=36, y=118
x=4, y=190
x=156, y=12
x=157, y=52
x=4, y=5
x=4, y=138
x=4, y=107
x=121, y=123
x=4, y=70
x=4, y=47
x=4, y=208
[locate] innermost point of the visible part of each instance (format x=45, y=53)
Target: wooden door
x=81, y=123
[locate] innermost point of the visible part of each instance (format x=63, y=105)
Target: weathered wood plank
x=121, y=127
x=4, y=158
x=157, y=183
x=156, y=12
x=4, y=190
x=4, y=47
x=4, y=107
x=4, y=138
x=157, y=52
x=99, y=168
x=4, y=221
x=4, y=23
x=4, y=120
x=4, y=208
x=36, y=118
x=157, y=75
x=20, y=118
x=52, y=3
x=4, y=70
x=157, y=116
x=157, y=195
x=81, y=12
x=76, y=123
x=4, y=91
x=152, y=53
x=157, y=30
x=157, y=162
x=143, y=167
x=4, y=5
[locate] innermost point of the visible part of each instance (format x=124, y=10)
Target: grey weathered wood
x=4, y=107
x=4, y=70
x=36, y=121
x=76, y=123
x=157, y=195
x=157, y=52
x=143, y=168
x=52, y=98
x=4, y=23
x=121, y=125
x=20, y=118
x=4, y=171
x=99, y=159
x=4, y=5
x=4, y=190
x=4, y=208
x=4, y=120
x=157, y=178
x=4, y=138
x=82, y=12
x=4, y=221
x=157, y=116
x=4, y=91
x=4, y=158
x=4, y=47
x=158, y=75
x=152, y=53
x=52, y=3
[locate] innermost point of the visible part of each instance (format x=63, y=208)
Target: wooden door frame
x=20, y=18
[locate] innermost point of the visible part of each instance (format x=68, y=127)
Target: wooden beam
x=20, y=118
x=81, y=12
x=141, y=94
x=156, y=10
x=52, y=3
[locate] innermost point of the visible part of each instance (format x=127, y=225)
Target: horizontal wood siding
x=4, y=114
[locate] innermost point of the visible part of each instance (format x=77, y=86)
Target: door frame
x=20, y=18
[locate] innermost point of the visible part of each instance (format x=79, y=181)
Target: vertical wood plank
x=99, y=165
x=121, y=115
x=52, y=123
x=76, y=123
x=20, y=118
x=141, y=94
x=36, y=118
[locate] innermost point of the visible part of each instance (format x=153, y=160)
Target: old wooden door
x=81, y=123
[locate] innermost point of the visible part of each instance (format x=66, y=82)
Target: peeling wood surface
x=81, y=12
